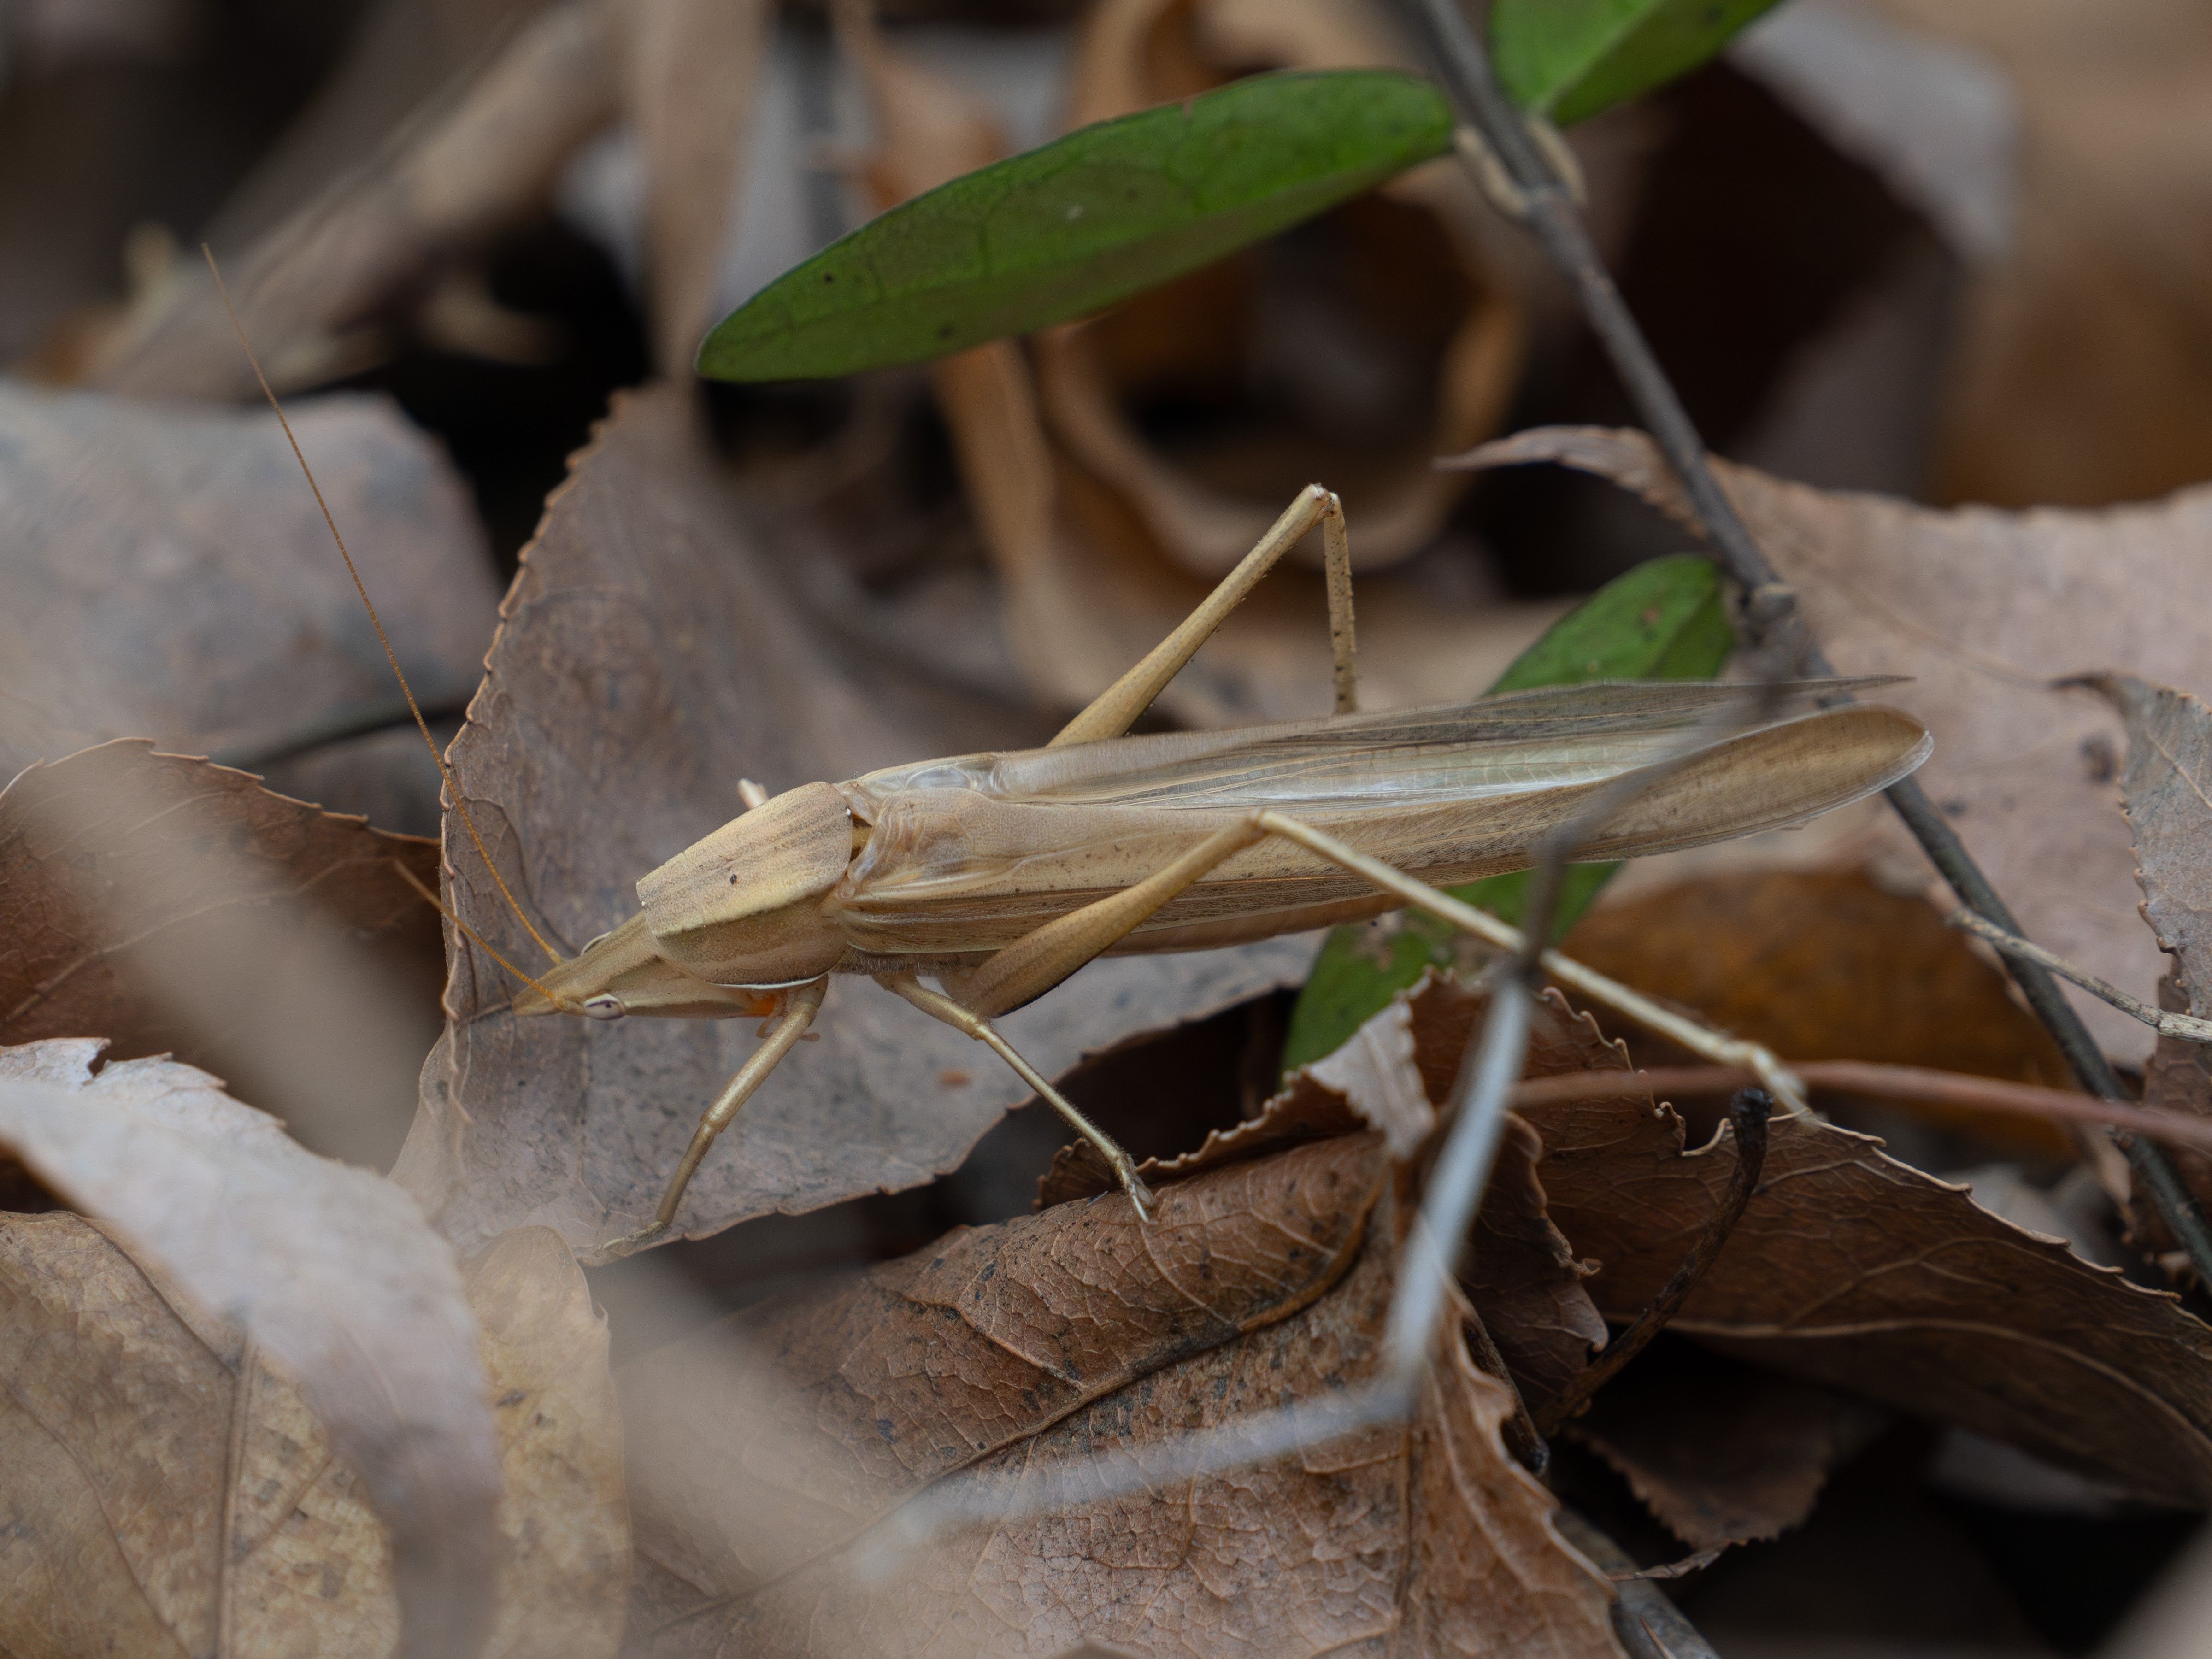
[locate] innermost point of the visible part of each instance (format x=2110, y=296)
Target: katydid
x=1000, y=875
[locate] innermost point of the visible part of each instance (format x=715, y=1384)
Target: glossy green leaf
x=1663, y=621
x=1570, y=58
x=1061, y=231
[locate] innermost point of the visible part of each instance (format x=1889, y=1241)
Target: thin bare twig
x=1912, y=1084
x=2186, y=1027
x=1545, y=204
x=1747, y=1115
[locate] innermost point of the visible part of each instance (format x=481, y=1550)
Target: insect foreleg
x=1117, y=708
x=937, y=1005
x=800, y=1006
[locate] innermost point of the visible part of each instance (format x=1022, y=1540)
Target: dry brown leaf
x=329, y=1270
x=2168, y=772
x=474, y=160
x=1723, y=1452
x=226, y=619
x=1434, y=293
x=2081, y=375
x=648, y=660
x=690, y=67
x=2179, y=1077
x=1982, y=609
x=174, y=906
x=166, y=1489
x=1853, y=1270
x=2167, y=789
x=1074, y=1338
x=1086, y=587
x=761, y=1442
x=1521, y=1274
x=1827, y=965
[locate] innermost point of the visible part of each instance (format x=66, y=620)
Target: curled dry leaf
x=166, y=1489
x=2165, y=788
x=760, y=1443
x=329, y=1271
x=648, y=661
x=1982, y=608
x=226, y=619
x=1723, y=1452
x=1853, y=1270
x=2179, y=1077
x=174, y=906
x=1827, y=965
x=1089, y=581
x=1077, y=1338
x=1520, y=1274
x=478, y=158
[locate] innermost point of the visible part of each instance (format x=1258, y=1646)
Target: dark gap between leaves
x=511, y=428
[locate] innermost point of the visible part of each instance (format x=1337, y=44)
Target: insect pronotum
x=998, y=875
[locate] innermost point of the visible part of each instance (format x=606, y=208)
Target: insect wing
x=969, y=852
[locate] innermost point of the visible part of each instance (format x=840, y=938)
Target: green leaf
x=1568, y=59
x=1068, y=229
x=1663, y=621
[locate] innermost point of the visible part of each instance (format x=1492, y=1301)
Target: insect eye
x=594, y=942
x=606, y=1005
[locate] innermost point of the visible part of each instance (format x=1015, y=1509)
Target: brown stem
x=1748, y=1112
x=1910, y=1084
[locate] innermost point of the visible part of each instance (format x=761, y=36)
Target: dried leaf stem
x=1747, y=1115
x=2186, y=1027
x=1545, y=203
x=1904, y=1083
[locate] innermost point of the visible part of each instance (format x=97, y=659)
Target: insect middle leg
x=937, y=1005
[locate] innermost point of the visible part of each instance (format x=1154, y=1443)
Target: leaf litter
x=2164, y=785
x=227, y=622
x=172, y=906
x=1265, y=1279
x=1983, y=610
x=330, y=1271
x=651, y=596
x=647, y=659
x=205, y=1509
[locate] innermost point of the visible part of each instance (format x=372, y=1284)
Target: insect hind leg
x=1116, y=709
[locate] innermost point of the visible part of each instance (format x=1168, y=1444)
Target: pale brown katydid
x=998, y=875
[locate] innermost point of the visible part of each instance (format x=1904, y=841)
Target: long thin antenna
x=452, y=790
x=477, y=940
